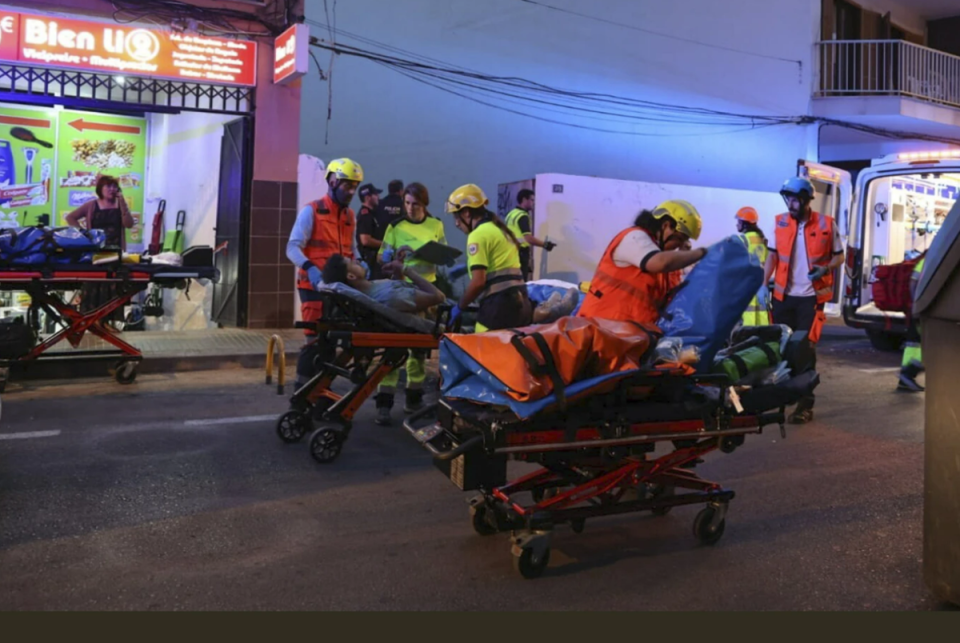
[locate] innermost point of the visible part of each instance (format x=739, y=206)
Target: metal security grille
x=59, y=84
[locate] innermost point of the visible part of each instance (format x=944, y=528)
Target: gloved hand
x=366, y=267
x=549, y=245
x=315, y=275
x=455, y=314
x=387, y=255
x=818, y=272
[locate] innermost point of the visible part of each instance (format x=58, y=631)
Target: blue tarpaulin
x=465, y=379
x=711, y=300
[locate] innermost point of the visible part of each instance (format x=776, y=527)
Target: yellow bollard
x=275, y=342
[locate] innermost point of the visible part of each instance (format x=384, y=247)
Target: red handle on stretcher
x=154, y=247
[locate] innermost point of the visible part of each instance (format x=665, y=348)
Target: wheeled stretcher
x=360, y=340
x=595, y=445
x=45, y=284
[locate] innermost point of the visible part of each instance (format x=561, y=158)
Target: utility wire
x=597, y=106
x=661, y=34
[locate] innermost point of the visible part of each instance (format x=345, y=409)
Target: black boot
x=803, y=413
x=384, y=405
x=908, y=377
x=414, y=400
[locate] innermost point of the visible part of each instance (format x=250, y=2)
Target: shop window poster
x=28, y=142
x=91, y=145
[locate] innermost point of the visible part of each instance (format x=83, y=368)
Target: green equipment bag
x=173, y=240
x=749, y=360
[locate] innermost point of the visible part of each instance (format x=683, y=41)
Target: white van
x=898, y=206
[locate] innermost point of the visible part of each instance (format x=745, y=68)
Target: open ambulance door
x=834, y=197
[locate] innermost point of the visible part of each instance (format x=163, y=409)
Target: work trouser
x=416, y=374
x=911, y=349
x=311, y=309
x=509, y=308
x=800, y=314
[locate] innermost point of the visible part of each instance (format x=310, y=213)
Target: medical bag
x=890, y=286
x=39, y=245
x=16, y=338
x=750, y=360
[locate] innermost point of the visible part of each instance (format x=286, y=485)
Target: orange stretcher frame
x=356, y=345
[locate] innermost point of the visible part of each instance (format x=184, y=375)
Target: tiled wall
x=271, y=274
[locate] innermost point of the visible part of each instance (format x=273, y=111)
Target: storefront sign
x=9, y=33
x=135, y=51
x=291, y=54
x=90, y=145
x=27, y=155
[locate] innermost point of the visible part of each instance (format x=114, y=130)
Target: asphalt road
x=175, y=494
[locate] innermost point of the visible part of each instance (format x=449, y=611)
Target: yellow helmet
x=345, y=170
x=466, y=196
x=683, y=212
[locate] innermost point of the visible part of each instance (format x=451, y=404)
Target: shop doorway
x=229, y=300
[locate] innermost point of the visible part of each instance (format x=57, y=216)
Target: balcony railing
x=887, y=68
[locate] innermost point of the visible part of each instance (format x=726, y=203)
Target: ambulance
x=893, y=213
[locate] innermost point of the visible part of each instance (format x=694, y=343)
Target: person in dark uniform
x=108, y=212
x=369, y=229
x=391, y=206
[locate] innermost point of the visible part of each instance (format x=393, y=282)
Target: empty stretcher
x=361, y=341
x=594, y=441
x=45, y=283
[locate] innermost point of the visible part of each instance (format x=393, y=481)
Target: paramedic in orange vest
x=323, y=228
x=642, y=264
x=806, y=250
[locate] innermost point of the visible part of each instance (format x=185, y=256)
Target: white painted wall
x=398, y=128
x=590, y=211
x=183, y=167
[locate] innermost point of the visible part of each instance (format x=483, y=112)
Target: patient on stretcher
x=414, y=296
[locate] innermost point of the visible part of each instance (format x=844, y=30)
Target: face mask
x=341, y=196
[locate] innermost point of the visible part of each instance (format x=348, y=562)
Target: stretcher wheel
x=529, y=564
x=578, y=525
x=706, y=534
x=325, y=445
x=126, y=372
x=478, y=517
x=292, y=426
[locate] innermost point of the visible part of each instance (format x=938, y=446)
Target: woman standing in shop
x=108, y=212
x=406, y=235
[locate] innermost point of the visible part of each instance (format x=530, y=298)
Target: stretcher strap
x=548, y=368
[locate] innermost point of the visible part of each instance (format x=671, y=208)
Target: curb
x=79, y=367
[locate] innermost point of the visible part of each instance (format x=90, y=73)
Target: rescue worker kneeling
x=493, y=258
x=643, y=263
